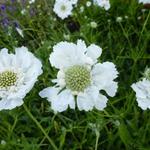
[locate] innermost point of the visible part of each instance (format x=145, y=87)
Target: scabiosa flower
x=103, y=3
x=142, y=89
x=63, y=8
x=18, y=73
x=80, y=78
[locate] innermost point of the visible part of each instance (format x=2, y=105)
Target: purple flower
x=3, y=7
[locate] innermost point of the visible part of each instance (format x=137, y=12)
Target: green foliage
x=122, y=125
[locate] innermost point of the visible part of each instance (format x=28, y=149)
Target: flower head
x=80, y=78
x=63, y=8
x=18, y=73
x=142, y=89
x=103, y=3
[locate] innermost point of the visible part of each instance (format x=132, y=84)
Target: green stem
x=97, y=138
x=40, y=127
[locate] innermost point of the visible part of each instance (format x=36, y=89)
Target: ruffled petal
x=62, y=101
x=49, y=93
x=59, y=101
x=85, y=101
x=103, y=76
x=10, y=103
x=5, y=59
x=141, y=88
x=100, y=102
x=94, y=51
x=63, y=55
x=144, y=103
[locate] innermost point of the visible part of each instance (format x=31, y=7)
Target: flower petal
x=10, y=103
x=62, y=101
x=67, y=54
x=49, y=93
x=103, y=76
x=94, y=52
x=85, y=101
x=144, y=103
x=101, y=102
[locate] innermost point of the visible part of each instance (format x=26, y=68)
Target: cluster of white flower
x=63, y=8
x=103, y=3
x=79, y=82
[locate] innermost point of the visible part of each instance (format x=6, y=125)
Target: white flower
x=142, y=89
x=23, y=11
x=93, y=24
x=119, y=19
x=3, y=142
x=82, y=9
x=144, y=1
x=18, y=73
x=73, y=2
x=80, y=78
x=103, y=3
x=88, y=3
x=63, y=8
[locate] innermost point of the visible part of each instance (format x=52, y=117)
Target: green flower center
x=77, y=78
x=7, y=78
x=63, y=7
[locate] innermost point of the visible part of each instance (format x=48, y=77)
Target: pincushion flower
x=63, y=8
x=80, y=77
x=142, y=89
x=18, y=73
x=103, y=3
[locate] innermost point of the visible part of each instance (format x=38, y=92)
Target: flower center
x=63, y=7
x=7, y=78
x=77, y=78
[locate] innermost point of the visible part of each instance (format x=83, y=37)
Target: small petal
x=94, y=52
x=85, y=101
x=103, y=76
x=101, y=102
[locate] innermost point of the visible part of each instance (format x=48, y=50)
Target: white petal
x=94, y=52
x=101, y=102
x=5, y=59
x=103, y=76
x=111, y=88
x=141, y=88
x=67, y=54
x=144, y=103
x=81, y=46
x=63, y=55
x=62, y=101
x=10, y=103
x=49, y=93
x=85, y=101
